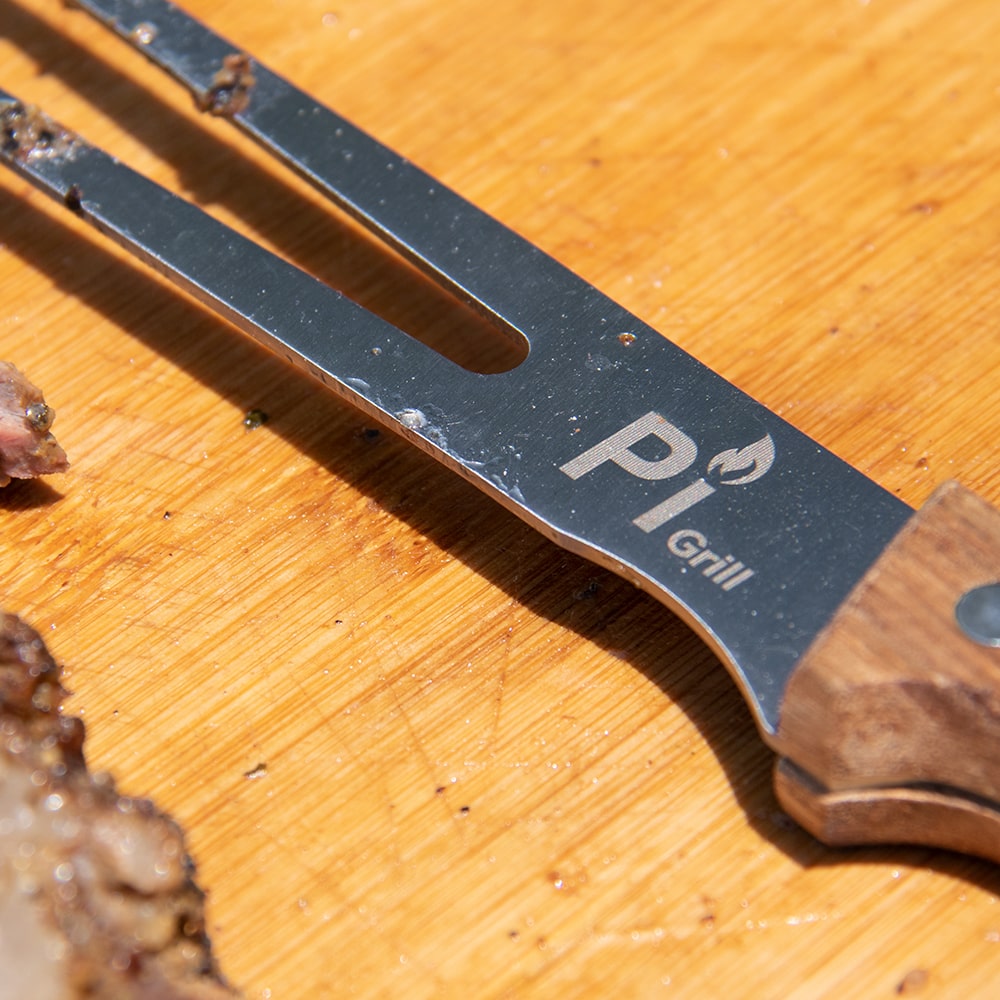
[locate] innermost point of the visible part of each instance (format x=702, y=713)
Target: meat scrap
x=97, y=897
x=27, y=447
x=231, y=87
x=27, y=133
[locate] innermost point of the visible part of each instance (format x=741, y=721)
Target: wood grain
x=893, y=692
x=492, y=770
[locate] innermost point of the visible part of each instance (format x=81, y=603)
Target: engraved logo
x=726, y=571
x=732, y=467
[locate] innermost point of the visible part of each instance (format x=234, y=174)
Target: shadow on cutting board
x=28, y=494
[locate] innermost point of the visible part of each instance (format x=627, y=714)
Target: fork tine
x=291, y=313
x=468, y=252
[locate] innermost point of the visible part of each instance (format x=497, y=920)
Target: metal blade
x=609, y=439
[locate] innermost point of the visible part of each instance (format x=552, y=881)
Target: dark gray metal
x=978, y=614
x=608, y=439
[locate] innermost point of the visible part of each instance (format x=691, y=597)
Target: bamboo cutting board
x=419, y=751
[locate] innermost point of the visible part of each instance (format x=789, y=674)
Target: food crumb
x=144, y=33
x=260, y=771
x=253, y=419
x=231, y=87
x=27, y=446
x=73, y=199
x=913, y=982
x=27, y=133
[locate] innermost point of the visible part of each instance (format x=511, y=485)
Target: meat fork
x=773, y=549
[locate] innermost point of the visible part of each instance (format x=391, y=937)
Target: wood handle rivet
x=978, y=614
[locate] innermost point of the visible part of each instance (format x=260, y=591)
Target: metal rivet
x=978, y=614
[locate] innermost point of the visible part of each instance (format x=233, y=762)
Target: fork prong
x=465, y=250
x=351, y=350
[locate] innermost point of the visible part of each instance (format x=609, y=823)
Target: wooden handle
x=890, y=724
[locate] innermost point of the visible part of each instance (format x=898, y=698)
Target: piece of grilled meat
x=97, y=897
x=27, y=447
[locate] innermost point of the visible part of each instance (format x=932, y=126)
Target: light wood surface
x=420, y=752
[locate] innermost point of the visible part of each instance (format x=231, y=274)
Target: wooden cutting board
x=419, y=751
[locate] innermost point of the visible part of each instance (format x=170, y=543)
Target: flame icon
x=755, y=459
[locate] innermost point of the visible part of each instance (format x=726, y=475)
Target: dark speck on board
x=253, y=419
